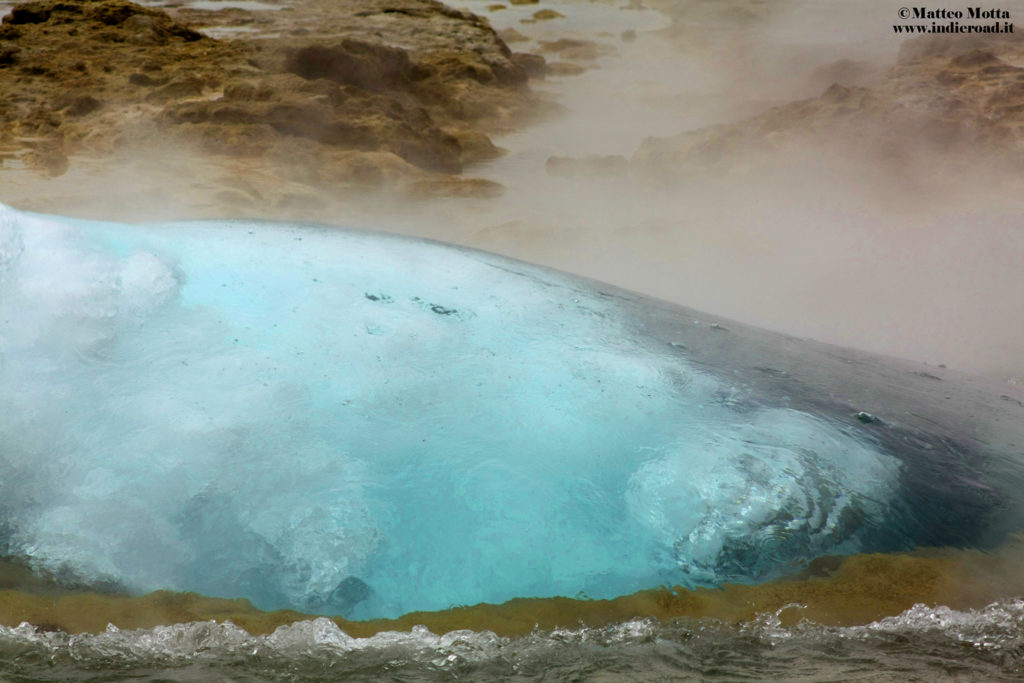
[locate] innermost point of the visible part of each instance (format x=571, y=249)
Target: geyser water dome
x=366, y=425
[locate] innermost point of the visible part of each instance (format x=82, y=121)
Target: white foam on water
x=921, y=643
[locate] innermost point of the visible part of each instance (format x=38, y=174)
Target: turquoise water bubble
x=359, y=424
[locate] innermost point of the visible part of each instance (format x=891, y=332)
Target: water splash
x=922, y=643
x=348, y=423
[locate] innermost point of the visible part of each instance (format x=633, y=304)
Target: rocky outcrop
x=248, y=120
x=958, y=98
x=411, y=87
x=68, y=65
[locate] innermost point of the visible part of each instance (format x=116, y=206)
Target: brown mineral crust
x=943, y=96
x=564, y=69
x=832, y=590
x=575, y=49
x=407, y=80
x=546, y=14
x=534, y=65
x=453, y=187
x=66, y=75
x=510, y=35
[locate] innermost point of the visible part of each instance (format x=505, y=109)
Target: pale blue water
x=368, y=425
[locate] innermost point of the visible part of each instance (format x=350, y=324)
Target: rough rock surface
x=960, y=98
x=346, y=94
